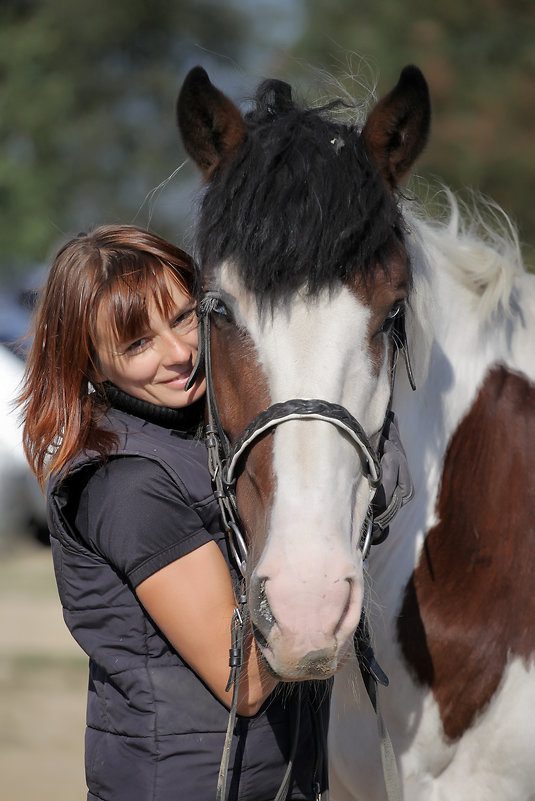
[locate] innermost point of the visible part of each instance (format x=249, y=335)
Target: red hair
x=113, y=268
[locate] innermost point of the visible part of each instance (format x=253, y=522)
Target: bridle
x=224, y=456
x=223, y=459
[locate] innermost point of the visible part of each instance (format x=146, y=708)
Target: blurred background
x=87, y=135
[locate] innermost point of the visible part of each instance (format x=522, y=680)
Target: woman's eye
x=137, y=346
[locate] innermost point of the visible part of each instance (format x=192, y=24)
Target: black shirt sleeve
x=134, y=515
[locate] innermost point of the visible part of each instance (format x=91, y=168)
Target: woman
x=143, y=570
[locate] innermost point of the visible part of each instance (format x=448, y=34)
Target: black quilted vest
x=154, y=730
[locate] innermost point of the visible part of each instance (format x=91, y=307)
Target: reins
x=223, y=458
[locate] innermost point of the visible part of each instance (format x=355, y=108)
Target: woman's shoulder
x=137, y=436
x=128, y=474
x=135, y=485
x=133, y=515
x=165, y=484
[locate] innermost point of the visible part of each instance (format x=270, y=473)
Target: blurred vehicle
x=17, y=301
x=22, y=506
x=14, y=320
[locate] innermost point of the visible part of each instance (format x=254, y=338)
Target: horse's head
x=301, y=236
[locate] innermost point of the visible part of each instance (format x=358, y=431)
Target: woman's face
x=156, y=365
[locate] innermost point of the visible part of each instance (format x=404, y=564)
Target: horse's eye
x=394, y=312
x=222, y=310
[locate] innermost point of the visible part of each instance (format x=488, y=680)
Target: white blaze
x=315, y=348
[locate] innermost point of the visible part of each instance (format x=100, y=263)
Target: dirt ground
x=43, y=683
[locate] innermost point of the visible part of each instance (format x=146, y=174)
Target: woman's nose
x=175, y=349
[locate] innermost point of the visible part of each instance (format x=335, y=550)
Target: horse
x=316, y=266
x=453, y=622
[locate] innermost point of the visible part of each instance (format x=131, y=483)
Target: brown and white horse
x=311, y=254
x=454, y=621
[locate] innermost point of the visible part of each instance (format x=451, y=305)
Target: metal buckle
x=238, y=546
x=366, y=539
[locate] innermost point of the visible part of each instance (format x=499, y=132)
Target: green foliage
x=88, y=89
x=479, y=59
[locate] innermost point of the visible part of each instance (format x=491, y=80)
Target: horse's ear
x=397, y=129
x=211, y=126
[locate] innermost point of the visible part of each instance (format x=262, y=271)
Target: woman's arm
x=192, y=601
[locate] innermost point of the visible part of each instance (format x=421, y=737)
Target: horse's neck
x=455, y=338
x=449, y=358
x=453, y=344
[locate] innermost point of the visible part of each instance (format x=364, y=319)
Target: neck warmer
x=187, y=419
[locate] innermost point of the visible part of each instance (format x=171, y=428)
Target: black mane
x=301, y=206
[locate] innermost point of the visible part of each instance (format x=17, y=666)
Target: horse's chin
x=314, y=666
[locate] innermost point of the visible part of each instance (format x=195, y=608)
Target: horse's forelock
x=301, y=206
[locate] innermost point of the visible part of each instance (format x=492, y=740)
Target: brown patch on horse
x=381, y=292
x=242, y=393
x=470, y=604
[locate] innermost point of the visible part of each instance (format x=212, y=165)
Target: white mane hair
x=478, y=245
x=355, y=84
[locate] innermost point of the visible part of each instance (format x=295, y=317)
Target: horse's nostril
x=261, y=613
x=259, y=636
x=263, y=607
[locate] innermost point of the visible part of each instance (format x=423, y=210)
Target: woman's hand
x=192, y=602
